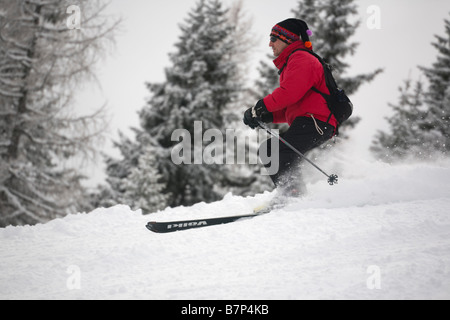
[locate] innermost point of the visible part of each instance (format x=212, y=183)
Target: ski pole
x=332, y=179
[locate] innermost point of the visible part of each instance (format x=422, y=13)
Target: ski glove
x=258, y=112
x=249, y=120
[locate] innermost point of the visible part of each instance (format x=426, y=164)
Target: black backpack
x=338, y=102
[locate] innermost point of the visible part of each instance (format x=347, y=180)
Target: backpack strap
x=327, y=99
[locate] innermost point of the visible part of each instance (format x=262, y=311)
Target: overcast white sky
x=151, y=28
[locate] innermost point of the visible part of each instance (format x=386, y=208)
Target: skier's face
x=277, y=46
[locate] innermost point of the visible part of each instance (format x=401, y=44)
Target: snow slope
x=382, y=233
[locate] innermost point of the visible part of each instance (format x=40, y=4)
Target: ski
x=172, y=226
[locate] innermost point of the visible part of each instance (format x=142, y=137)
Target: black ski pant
x=304, y=134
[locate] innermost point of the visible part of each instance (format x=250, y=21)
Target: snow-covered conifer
x=404, y=132
x=419, y=126
x=435, y=125
x=143, y=189
x=198, y=87
x=42, y=59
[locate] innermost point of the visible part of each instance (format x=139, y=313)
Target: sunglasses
x=273, y=39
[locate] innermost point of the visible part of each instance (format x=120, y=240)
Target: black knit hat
x=291, y=30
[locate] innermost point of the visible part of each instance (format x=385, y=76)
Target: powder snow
x=382, y=233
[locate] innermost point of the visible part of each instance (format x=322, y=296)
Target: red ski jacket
x=295, y=97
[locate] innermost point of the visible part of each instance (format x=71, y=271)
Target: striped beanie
x=292, y=30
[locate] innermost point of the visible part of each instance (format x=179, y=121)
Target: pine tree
x=242, y=179
x=41, y=61
x=268, y=80
x=435, y=126
x=117, y=171
x=405, y=130
x=143, y=189
x=198, y=87
x=419, y=126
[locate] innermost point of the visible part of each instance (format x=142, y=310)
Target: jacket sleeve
x=279, y=116
x=297, y=80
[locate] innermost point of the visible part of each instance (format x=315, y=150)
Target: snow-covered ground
x=382, y=233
